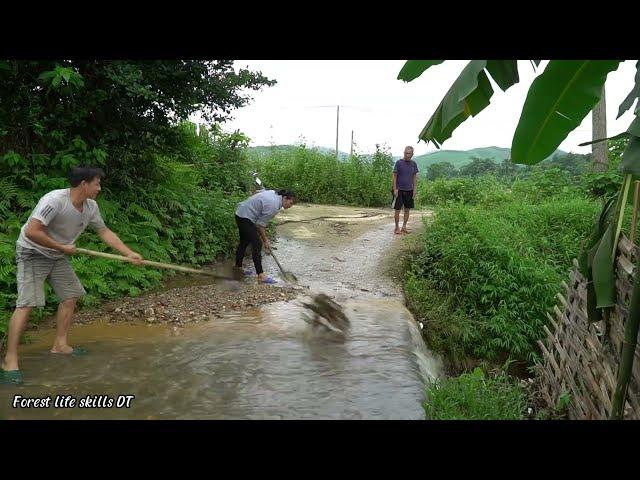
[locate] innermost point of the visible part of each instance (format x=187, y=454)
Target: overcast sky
x=381, y=109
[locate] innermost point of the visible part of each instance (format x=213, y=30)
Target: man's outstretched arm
x=114, y=242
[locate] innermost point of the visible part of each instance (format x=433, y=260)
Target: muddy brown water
x=266, y=363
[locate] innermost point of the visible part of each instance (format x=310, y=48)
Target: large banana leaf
x=601, y=275
x=634, y=129
x=603, y=270
x=627, y=102
x=556, y=104
x=615, y=137
x=504, y=72
x=412, y=69
x=631, y=155
x=597, y=231
x=469, y=94
x=587, y=256
x=594, y=314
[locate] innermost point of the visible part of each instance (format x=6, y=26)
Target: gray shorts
x=34, y=268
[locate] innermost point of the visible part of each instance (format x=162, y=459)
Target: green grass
x=319, y=177
x=475, y=396
x=486, y=275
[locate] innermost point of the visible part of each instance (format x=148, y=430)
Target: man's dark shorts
x=405, y=199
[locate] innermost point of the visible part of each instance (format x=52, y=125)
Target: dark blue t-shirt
x=405, y=171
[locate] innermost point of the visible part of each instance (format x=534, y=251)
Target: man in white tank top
x=42, y=253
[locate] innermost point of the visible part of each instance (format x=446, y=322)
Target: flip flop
x=248, y=272
x=13, y=377
x=269, y=281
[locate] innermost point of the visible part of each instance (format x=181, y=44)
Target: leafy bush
x=319, y=177
x=169, y=192
x=469, y=191
x=495, y=272
x=544, y=185
x=182, y=213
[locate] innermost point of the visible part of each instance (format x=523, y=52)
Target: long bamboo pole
x=152, y=264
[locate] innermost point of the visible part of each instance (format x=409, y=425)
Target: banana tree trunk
x=599, y=123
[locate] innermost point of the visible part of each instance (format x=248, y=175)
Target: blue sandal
x=79, y=352
x=269, y=281
x=13, y=377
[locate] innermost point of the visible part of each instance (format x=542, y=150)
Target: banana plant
x=557, y=102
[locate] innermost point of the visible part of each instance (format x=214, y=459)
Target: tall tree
x=56, y=114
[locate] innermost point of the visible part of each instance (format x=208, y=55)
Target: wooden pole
x=337, y=129
x=352, y=143
x=150, y=263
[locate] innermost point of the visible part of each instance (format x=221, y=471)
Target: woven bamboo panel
x=581, y=358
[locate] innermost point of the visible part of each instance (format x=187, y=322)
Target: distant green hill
x=458, y=158
x=461, y=158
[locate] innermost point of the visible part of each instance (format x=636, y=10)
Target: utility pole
x=337, y=126
x=352, y=143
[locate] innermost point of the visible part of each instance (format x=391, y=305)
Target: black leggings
x=249, y=235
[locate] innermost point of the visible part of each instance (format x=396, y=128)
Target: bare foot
x=397, y=231
x=404, y=230
x=9, y=366
x=65, y=350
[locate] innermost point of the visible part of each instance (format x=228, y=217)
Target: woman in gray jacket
x=252, y=217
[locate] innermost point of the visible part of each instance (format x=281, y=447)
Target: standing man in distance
x=405, y=177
